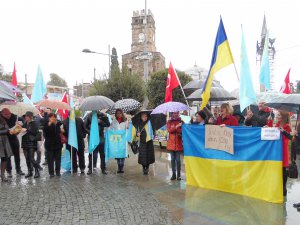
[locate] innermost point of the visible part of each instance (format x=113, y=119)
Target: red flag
x=286, y=87
x=14, y=77
x=172, y=82
x=64, y=113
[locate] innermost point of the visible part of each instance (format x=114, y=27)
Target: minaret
x=272, y=51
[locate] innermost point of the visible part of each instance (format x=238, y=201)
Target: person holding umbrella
x=174, y=144
x=142, y=131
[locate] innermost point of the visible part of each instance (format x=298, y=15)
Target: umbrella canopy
x=19, y=108
x=236, y=107
x=54, y=104
x=216, y=94
x=198, y=84
x=290, y=103
x=127, y=105
x=269, y=96
x=10, y=87
x=170, y=107
x=96, y=103
x=6, y=95
x=157, y=120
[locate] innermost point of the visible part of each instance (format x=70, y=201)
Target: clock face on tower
x=141, y=37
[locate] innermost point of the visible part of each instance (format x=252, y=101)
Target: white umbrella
x=19, y=108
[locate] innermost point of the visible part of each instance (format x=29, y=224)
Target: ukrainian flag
x=221, y=58
x=254, y=170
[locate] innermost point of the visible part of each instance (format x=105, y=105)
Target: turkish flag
x=14, y=77
x=64, y=113
x=286, y=87
x=172, y=82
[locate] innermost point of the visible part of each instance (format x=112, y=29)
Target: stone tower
x=134, y=61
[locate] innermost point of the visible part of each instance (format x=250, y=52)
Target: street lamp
x=86, y=50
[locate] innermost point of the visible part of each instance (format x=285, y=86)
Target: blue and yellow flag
x=254, y=170
x=72, y=137
x=247, y=92
x=264, y=74
x=94, y=140
x=39, y=88
x=221, y=58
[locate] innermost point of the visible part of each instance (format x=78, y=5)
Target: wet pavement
x=133, y=198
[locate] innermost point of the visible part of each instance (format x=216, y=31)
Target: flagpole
x=184, y=95
x=71, y=159
x=92, y=166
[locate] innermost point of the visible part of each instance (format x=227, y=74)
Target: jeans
x=54, y=156
x=175, y=160
x=120, y=162
x=100, y=149
x=38, y=153
x=30, y=161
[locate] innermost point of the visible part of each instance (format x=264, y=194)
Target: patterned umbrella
x=127, y=105
x=170, y=107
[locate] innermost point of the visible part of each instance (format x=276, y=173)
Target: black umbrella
x=216, y=94
x=127, y=105
x=157, y=120
x=290, y=103
x=198, y=84
x=96, y=103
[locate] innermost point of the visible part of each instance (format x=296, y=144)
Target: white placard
x=270, y=134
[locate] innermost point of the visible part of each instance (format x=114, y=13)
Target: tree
x=57, y=80
x=6, y=77
x=118, y=87
x=298, y=86
x=157, y=87
x=114, y=67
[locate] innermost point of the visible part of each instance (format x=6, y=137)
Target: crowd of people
x=55, y=131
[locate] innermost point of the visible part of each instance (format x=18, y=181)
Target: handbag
x=293, y=170
x=63, y=139
x=135, y=147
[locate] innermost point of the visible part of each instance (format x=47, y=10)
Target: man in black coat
x=81, y=133
x=102, y=122
x=261, y=119
x=11, y=120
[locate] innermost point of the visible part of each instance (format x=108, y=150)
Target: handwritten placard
x=270, y=134
x=220, y=138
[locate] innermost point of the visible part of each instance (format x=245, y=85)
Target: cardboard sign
x=219, y=138
x=270, y=134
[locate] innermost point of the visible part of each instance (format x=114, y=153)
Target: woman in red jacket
x=283, y=123
x=175, y=143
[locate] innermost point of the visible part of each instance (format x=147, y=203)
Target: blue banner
x=115, y=144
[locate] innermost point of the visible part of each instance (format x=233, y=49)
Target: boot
x=36, y=173
x=120, y=169
x=3, y=167
x=173, y=176
x=178, y=176
x=29, y=174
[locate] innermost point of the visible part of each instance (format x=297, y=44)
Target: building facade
x=143, y=46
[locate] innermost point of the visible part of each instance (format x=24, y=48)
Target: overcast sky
x=53, y=33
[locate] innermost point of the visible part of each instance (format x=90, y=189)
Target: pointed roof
x=264, y=28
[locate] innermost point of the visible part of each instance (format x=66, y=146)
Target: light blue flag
x=247, y=92
x=264, y=75
x=94, y=133
x=40, y=88
x=26, y=99
x=129, y=133
x=72, y=138
x=115, y=144
x=65, y=159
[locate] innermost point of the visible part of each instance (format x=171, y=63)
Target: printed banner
x=115, y=144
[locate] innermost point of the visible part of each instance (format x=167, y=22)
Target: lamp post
x=86, y=50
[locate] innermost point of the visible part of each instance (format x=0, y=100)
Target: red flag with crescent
x=172, y=83
x=14, y=80
x=64, y=113
x=286, y=87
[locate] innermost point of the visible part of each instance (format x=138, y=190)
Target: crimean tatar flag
x=39, y=88
x=172, y=83
x=286, y=88
x=14, y=80
x=72, y=136
x=247, y=92
x=94, y=140
x=221, y=58
x=264, y=74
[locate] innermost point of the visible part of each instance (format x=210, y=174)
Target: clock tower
x=143, y=46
